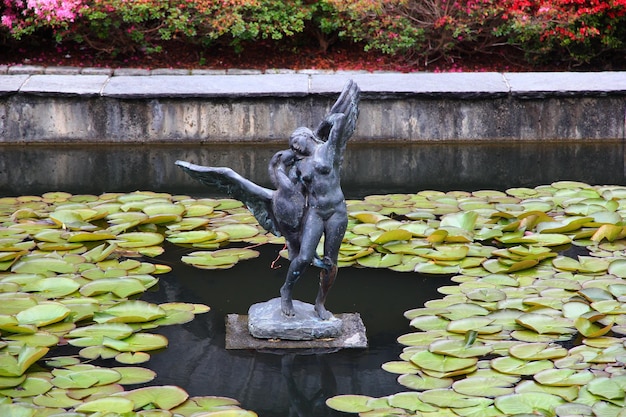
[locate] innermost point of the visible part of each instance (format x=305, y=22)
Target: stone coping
x=171, y=83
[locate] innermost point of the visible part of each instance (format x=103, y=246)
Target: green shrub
x=415, y=31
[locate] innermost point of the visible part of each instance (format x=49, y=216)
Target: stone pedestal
x=266, y=321
x=267, y=328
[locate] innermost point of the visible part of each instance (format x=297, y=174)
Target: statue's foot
x=322, y=312
x=286, y=306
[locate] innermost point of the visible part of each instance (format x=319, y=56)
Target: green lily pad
x=400, y=367
x=43, y=314
x=42, y=265
x=32, y=386
x=11, y=366
x=55, y=398
x=84, y=376
x=135, y=311
x=132, y=358
x=53, y=287
x=543, y=323
x=441, y=363
x=528, y=403
x=11, y=381
x=137, y=342
x=207, y=260
x=568, y=225
x=89, y=236
x=490, y=387
x=513, y=366
x=607, y=388
x=350, y=403
x=106, y=405
x=393, y=235
x=238, y=231
x=163, y=397
x=568, y=393
x=100, y=252
x=139, y=239
x=618, y=268
x=589, y=327
x=410, y=401
x=448, y=398
x=197, y=405
x=194, y=236
x=378, y=260
x=479, y=324
x=546, y=239
x=421, y=382
x=563, y=377
x=134, y=375
x=112, y=330
x=36, y=339
x=537, y=351
x=459, y=348
x=121, y=287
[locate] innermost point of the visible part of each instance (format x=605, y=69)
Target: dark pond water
x=276, y=384
x=368, y=168
x=295, y=384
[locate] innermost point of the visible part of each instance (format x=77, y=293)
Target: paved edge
x=146, y=84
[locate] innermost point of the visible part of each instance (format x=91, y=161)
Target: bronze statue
x=308, y=202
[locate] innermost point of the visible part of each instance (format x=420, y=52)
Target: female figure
x=318, y=166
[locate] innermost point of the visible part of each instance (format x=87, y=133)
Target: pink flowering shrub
x=24, y=17
x=576, y=29
x=416, y=31
x=428, y=30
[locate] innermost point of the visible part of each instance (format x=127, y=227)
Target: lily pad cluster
x=526, y=330
x=70, y=275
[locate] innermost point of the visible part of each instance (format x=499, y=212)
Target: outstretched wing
x=258, y=199
x=348, y=105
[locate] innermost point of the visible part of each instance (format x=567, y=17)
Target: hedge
x=420, y=31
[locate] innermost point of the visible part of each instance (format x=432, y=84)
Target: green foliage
x=416, y=31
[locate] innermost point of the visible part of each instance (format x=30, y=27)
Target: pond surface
x=274, y=384
x=368, y=168
x=297, y=384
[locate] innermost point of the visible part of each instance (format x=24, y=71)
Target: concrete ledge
x=40, y=105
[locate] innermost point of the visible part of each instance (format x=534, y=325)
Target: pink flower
x=57, y=10
x=7, y=20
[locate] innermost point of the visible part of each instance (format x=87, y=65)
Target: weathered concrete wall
x=400, y=108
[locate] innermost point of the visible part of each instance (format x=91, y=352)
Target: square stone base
x=352, y=336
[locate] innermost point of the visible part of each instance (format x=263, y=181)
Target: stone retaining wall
x=101, y=106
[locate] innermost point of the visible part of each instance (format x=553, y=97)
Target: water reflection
x=368, y=168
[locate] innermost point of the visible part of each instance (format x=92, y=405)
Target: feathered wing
x=348, y=105
x=258, y=199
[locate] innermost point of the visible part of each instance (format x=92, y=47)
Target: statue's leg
x=327, y=279
x=311, y=234
x=335, y=229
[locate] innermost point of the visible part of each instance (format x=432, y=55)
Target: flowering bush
x=576, y=29
x=24, y=17
x=419, y=31
x=129, y=26
x=422, y=30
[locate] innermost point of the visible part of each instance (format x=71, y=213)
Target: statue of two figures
x=308, y=202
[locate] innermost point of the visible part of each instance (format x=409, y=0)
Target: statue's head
x=303, y=141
